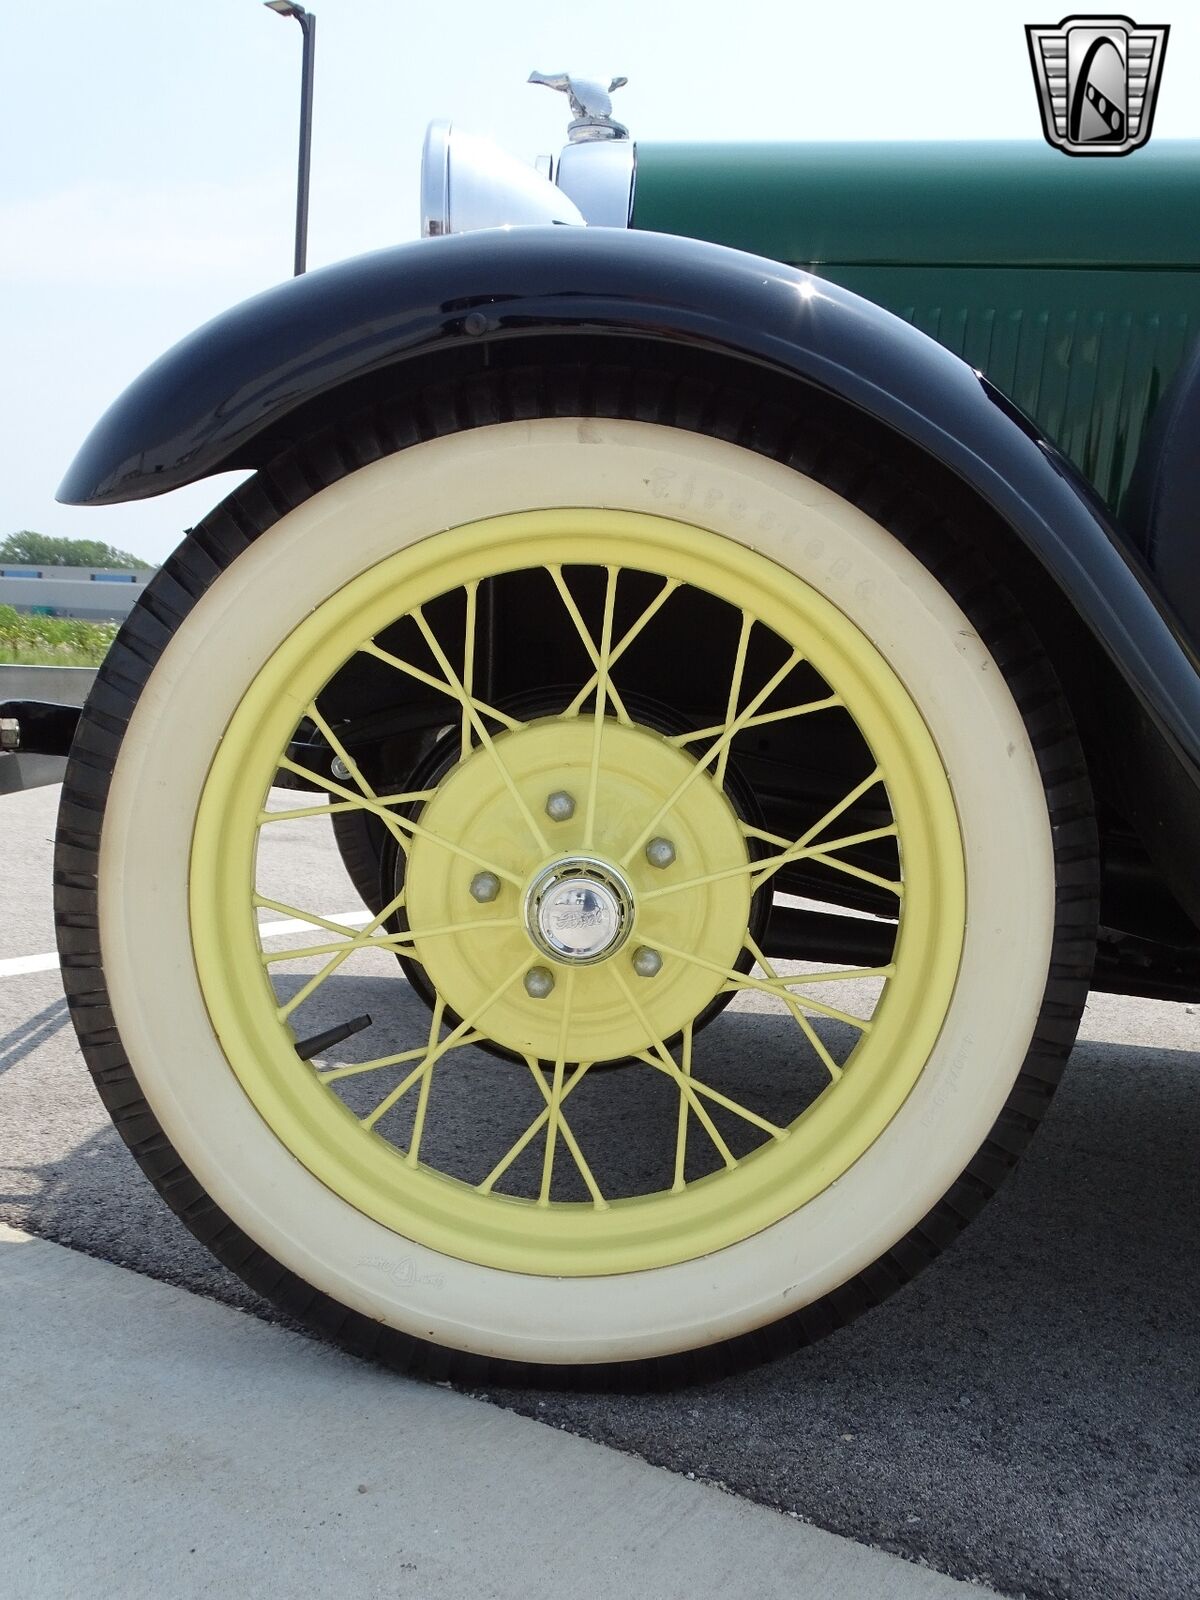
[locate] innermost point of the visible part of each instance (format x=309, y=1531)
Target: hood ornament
x=591, y=105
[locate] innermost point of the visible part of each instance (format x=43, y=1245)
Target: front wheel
x=621, y=703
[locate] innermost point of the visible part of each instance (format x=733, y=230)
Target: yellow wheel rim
x=656, y=941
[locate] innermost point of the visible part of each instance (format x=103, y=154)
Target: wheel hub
x=579, y=910
x=576, y=888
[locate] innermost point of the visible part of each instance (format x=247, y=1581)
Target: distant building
x=96, y=594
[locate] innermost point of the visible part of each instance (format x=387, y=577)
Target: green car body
x=1074, y=286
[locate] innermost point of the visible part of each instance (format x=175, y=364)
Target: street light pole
x=308, y=24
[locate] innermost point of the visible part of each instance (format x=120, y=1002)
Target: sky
x=149, y=147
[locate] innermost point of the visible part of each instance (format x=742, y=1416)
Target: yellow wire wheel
x=577, y=887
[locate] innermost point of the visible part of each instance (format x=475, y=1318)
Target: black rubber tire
x=359, y=839
x=833, y=459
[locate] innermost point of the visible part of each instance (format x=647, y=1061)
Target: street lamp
x=308, y=22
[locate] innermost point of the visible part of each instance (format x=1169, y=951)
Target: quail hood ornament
x=591, y=104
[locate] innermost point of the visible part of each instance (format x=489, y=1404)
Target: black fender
x=234, y=393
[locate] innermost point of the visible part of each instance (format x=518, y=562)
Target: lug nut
x=560, y=807
x=539, y=981
x=339, y=768
x=660, y=852
x=485, y=886
x=647, y=963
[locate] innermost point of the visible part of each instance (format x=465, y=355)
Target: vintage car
x=687, y=575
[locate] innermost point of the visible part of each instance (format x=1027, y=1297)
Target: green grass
x=52, y=641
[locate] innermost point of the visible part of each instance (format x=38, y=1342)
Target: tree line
x=29, y=549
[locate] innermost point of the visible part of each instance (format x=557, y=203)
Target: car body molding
x=222, y=398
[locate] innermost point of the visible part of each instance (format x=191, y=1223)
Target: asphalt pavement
x=1024, y=1415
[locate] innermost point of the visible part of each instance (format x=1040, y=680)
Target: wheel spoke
x=333, y=1074
x=740, y=980
x=762, y=868
x=294, y=914
x=413, y=1153
x=841, y=975
x=829, y=703
x=777, y=839
x=302, y=994
x=892, y=885
x=363, y=801
x=468, y=673
x=332, y=808
x=532, y=1131
x=568, y=1137
x=387, y=941
x=601, y=659
x=435, y=1053
x=711, y=754
x=471, y=713
x=681, y=1127
x=735, y=693
x=604, y=688
x=480, y=707
x=798, y=1017
x=668, y=589
x=806, y=852
x=661, y=1060
x=427, y=1062
x=418, y=832
x=340, y=751
x=554, y=1105
x=795, y=1002
x=716, y=1097
x=402, y=828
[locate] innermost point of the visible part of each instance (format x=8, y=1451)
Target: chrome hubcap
x=579, y=910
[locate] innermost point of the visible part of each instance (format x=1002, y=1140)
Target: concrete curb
x=161, y=1443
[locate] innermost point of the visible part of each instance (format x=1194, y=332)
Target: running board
x=37, y=727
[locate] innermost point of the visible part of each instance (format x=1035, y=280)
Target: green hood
x=969, y=204
x=1074, y=284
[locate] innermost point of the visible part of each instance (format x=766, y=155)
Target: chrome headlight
x=468, y=182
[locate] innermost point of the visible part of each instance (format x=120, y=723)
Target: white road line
x=14, y=966
x=18, y=966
